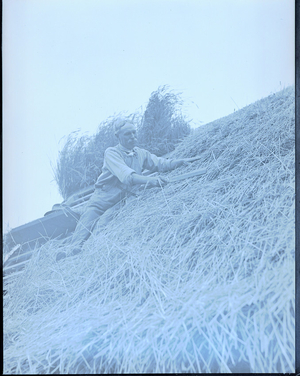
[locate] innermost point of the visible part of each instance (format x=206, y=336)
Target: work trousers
x=101, y=201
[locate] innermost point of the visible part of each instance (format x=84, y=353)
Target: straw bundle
x=195, y=277
x=80, y=160
x=163, y=124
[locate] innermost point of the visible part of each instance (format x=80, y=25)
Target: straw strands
x=195, y=277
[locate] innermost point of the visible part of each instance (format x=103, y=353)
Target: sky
x=70, y=64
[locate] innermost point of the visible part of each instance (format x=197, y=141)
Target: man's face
x=127, y=136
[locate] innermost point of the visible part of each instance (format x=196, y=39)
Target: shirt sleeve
x=154, y=163
x=114, y=162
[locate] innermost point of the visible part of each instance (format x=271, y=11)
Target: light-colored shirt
x=120, y=163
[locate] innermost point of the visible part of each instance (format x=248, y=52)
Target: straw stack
x=195, y=277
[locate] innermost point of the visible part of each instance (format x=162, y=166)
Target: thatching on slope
x=195, y=277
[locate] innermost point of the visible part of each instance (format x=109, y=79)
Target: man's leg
x=85, y=225
x=82, y=231
x=99, y=203
x=108, y=216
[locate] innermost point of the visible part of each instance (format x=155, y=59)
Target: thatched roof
x=195, y=277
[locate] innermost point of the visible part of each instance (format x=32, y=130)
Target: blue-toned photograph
x=148, y=186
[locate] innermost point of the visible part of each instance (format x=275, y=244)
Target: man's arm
x=154, y=163
x=179, y=162
x=150, y=181
x=158, y=181
x=116, y=165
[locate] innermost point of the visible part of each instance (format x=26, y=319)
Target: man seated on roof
x=122, y=169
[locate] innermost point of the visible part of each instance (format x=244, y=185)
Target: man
x=122, y=169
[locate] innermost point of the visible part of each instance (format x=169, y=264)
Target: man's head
x=125, y=131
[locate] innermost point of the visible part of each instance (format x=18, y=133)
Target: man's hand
x=179, y=162
x=150, y=181
x=157, y=181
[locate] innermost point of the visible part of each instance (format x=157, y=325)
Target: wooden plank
x=12, y=275
x=17, y=266
x=18, y=258
x=38, y=232
x=10, y=253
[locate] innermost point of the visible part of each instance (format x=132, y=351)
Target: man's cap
x=119, y=123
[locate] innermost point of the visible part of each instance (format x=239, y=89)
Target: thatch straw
x=195, y=277
x=163, y=124
x=81, y=158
